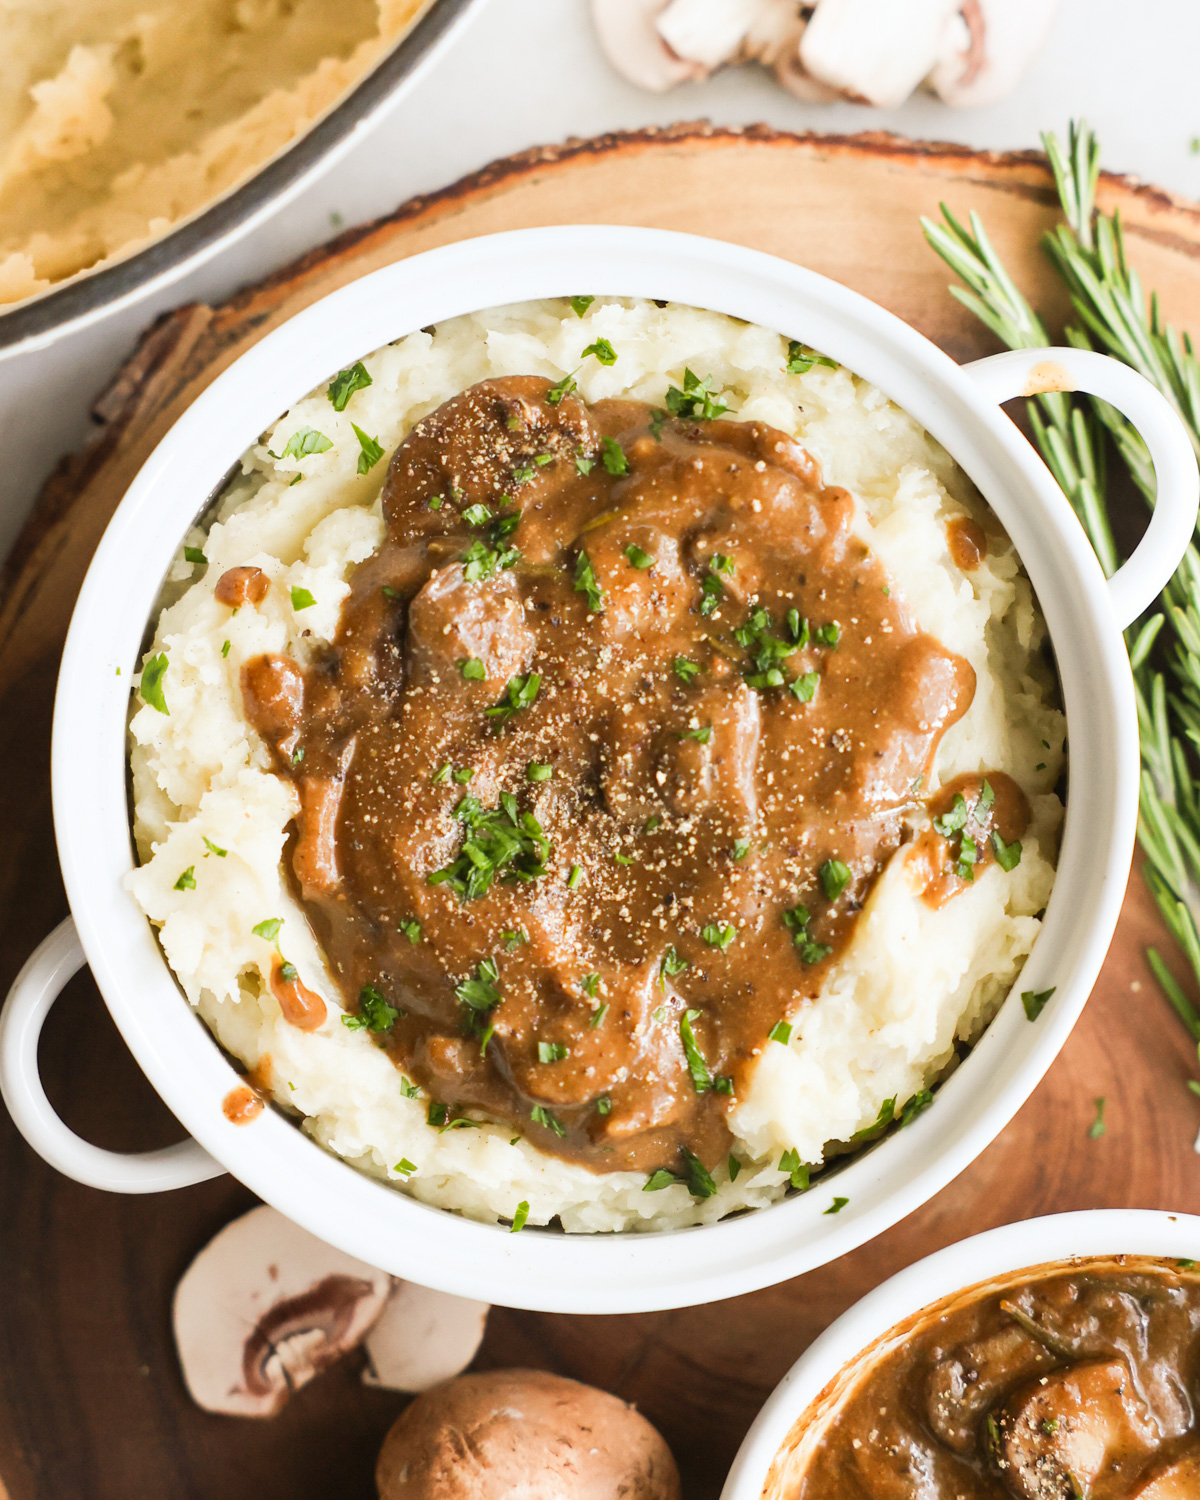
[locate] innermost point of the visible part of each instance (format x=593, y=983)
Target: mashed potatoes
x=119, y=118
x=915, y=980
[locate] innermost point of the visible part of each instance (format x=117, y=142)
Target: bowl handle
x=1031, y=372
x=34, y=991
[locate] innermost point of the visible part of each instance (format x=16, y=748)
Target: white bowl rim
x=537, y=1269
x=1031, y=1244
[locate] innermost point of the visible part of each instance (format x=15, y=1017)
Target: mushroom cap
x=422, y=1337
x=263, y=1308
x=523, y=1435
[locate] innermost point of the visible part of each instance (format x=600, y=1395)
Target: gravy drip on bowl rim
x=620, y=724
x=1070, y=1380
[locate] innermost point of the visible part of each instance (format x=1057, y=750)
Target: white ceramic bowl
x=541, y=1268
x=772, y=1456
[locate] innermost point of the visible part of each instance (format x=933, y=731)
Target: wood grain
x=91, y=1401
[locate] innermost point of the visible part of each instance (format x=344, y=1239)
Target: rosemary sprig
x=1088, y=252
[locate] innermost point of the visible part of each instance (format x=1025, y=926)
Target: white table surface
x=527, y=72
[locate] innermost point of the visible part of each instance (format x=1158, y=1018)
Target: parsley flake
x=194, y=555
x=411, y=930
x=837, y=1205
x=637, y=558
x=834, y=877
x=671, y=965
x=603, y=351
x=580, y=305
x=542, y=1116
x=551, y=1052
x=151, y=687
x=473, y=669
x=699, y=1179
x=661, y=1179
x=1097, y=1127
x=501, y=841
x=520, y=1218
x=520, y=693
x=797, y=1170
x=269, y=930
x=405, y=1167
x=345, y=383
x=684, y=669
x=695, y=402
x=585, y=583
x=371, y=450
x=187, y=881
x=214, y=849
x=612, y=455
x=374, y=1013
x=301, y=599
x=305, y=440
x=1008, y=856
x=559, y=389
x=801, y=358
x=719, y=934
x=1035, y=1001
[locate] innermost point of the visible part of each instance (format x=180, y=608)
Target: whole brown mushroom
x=525, y=1433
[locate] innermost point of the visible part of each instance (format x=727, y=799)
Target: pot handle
x=34, y=991
x=1033, y=372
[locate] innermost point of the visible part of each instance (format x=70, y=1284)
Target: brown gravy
x=621, y=723
x=967, y=541
x=1081, y=1383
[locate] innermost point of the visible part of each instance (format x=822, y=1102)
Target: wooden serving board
x=91, y=1400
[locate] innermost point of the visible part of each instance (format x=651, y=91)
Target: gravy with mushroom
x=620, y=725
x=1075, y=1386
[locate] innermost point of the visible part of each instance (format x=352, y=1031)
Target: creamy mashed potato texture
x=120, y=118
x=916, y=981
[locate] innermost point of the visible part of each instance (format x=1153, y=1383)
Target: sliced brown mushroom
x=523, y=1432
x=1179, y=1480
x=423, y=1337
x=263, y=1308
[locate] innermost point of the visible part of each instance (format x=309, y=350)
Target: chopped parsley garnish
x=701, y=735
x=513, y=937
x=780, y=1032
x=542, y=459
x=719, y=934
x=585, y=583
x=408, y=1089
x=612, y=456
x=695, y=402
x=479, y=997
x=699, y=1179
x=194, y=555
x=374, y=1013
x=524, y=474
x=671, y=965
x=538, y=771
x=441, y=774
x=520, y=1217
x=599, y=1016
x=187, y=881
x=483, y=557
x=702, y=1080
x=461, y=1122
x=580, y=305
x=684, y=669
x=986, y=796
x=437, y=1114
x=834, y=877
x=214, y=849
x=301, y=599
x=551, y=1052
x=371, y=450
x=225, y=649
x=801, y=358
x=805, y=686
x=405, y=1167
x=603, y=351
x=797, y=1170
x=463, y=775
x=652, y=823
x=269, y=929
x=955, y=819
x=624, y=859
x=411, y=930
x=797, y=920
x=712, y=591
x=345, y=383
x=828, y=635
x=741, y=847
x=768, y=652
x=500, y=841
x=303, y=441
x=657, y=418
x=542, y=1116
x=590, y=985
x=887, y=1113
x=584, y=464
x=297, y=755
x=968, y=853
x=574, y=877
x=1034, y=1001
x=661, y=1179
x=288, y=972
x=519, y=694
x=559, y=389
x=734, y=1168
x=604, y=1105
x=478, y=515
x=1008, y=856
x=637, y=558
x=151, y=687
x=473, y=669
x=837, y=1205
x=919, y=1102
x=1097, y=1127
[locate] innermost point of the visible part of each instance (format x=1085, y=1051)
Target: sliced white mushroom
x=774, y=41
x=633, y=45
x=709, y=32
x=876, y=50
x=423, y=1337
x=263, y=1308
x=987, y=51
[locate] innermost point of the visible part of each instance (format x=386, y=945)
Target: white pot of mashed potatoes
x=126, y=122
x=596, y=764
x=1049, y=1358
